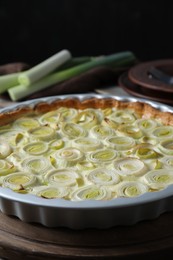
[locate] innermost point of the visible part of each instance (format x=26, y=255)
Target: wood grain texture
x=32, y=241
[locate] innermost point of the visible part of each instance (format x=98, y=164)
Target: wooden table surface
x=19, y=240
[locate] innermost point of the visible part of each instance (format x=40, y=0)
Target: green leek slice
x=162, y=132
x=87, y=118
x=167, y=162
x=123, y=117
x=158, y=179
x=6, y=167
x=50, y=118
x=68, y=157
x=66, y=114
x=36, y=165
x=147, y=125
x=146, y=151
x=130, y=130
x=130, y=166
x=131, y=189
x=52, y=192
x=166, y=147
x=103, y=176
x=101, y=132
x=26, y=123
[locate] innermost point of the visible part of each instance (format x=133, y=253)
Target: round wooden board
x=20, y=240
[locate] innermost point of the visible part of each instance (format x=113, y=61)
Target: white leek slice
x=146, y=151
x=52, y=192
x=26, y=123
x=131, y=189
x=19, y=180
x=110, y=123
x=91, y=192
x=130, y=166
x=85, y=166
x=44, y=133
x=57, y=144
x=38, y=165
x=50, y=118
x=120, y=142
x=87, y=144
x=102, y=156
x=107, y=111
x=167, y=162
x=87, y=118
x=62, y=177
x=147, y=125
x=6, y=167
x=73, y=131
x=5, y=149
x=163, y=132
x=103, y=176
x=13, y=137
x=69, y=156
x=159, y=179
x=66, y=114
x=36, y=148
x=101, y=131
x=123, y=117
x=166, y=146
x=131, y=131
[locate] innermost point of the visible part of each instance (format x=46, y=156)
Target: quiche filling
x=90, y=153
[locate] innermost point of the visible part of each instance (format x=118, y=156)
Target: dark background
x=32, y=30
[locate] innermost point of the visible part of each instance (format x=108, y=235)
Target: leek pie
x=95, y=149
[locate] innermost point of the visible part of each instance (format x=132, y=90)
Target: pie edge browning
x=143, y=109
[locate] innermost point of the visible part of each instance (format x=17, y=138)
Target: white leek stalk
x=44, y=68
x=158, y=179
x=131, y=189
x=103, y=176
x=130, y=166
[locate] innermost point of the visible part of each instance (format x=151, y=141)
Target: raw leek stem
x=44, y=68
x=115, y=60
x=8, y=81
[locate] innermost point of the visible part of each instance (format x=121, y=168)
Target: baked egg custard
x=96, y=149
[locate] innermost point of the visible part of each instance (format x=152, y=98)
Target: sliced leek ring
x=19, y=180
x=163, y=132
x=123, y=117
x=87, y=118
x=108, y=122
x=72, y=131
x=85, y=166
x=87, y=144
x=91, y=192
x=158, y=179
x=120, y=143
x=103, y=176
x=52, y=192
x=131, y=189
x=130, y=130
x=26, y=123
x=68, y=157
x=35, y=165
x=147, y=125
x=14, y=137
x=107, y=111
x=146, y=151
x=6, y=167
x=5, y=149
x=102, y=156
x=62, y=177
x=101, y=132
x=66, y=114
x=50, y=118
x=167, y=162
x=57, y=144
x=36, y=148
x=44, y=133
x=130, y=166
x=166, y=147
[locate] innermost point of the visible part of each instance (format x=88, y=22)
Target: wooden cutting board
x=19, y=240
